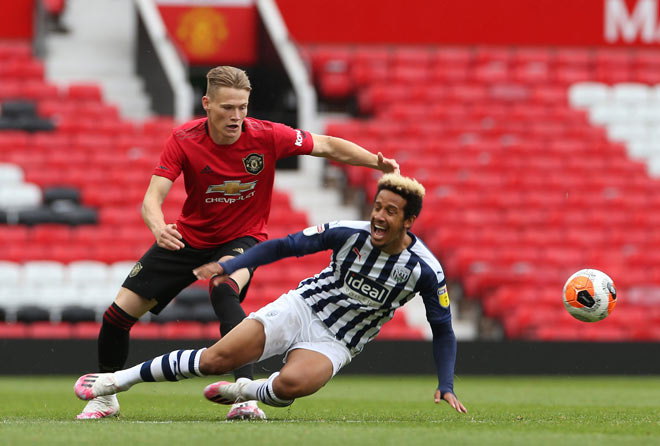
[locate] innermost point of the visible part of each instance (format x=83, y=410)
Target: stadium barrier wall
x=75, y=357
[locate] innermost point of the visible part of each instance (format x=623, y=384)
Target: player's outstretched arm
x=166, y=235
x=451, y=400
x=270, y=251
x=347, y=152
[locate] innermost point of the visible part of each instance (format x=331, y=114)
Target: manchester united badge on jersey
x=254, y=163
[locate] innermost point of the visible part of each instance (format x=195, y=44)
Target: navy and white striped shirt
x=363, y=286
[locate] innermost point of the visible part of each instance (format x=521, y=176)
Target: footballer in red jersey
x=228, y=165
x=228, y=187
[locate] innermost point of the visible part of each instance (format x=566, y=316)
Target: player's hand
x=387, y=165
x=209, y=270
x=451, y=400
x=170, y=238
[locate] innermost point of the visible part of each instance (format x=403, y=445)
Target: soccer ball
x=589, y=295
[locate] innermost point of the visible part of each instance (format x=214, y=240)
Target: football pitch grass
x=350, y=410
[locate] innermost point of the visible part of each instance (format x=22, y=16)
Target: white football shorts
x=289, y=323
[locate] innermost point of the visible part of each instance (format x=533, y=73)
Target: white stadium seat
x=10, y=273
x=625, y=132
x=10, y=174
x=118, y=273
x=629, y=92
x=10, y=300
x=64, y=294
x=45, y=272
x=20, y=195
x=647, y=113
x=643, y=148
x=10, y=278
x=653, y=165
x=587, y=94
x=97, y=296
x=35, y=293
x=82, y=272
x=607, y=113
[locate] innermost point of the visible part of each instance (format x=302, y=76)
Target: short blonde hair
x=408, y=188
x=226, y=76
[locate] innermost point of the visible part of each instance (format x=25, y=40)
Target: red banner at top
x=496, y=22
x=213, y=35
x=17, y=19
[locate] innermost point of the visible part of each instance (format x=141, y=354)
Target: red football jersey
x=228, y=187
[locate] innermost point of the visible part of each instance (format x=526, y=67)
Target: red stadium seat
x=147, y=331
x=48, y=330
x=12, y=330
x=51, y=233
x=183, y=330
x=329, y=58
x=412, y=56
x=15, y=49
x=211, y=330
x=54, y=7
x=82, y=92
x=10, y=89
x=336, y=85
x=453, y=55
x=399, y=333
x=22, y=69
x=86, y=330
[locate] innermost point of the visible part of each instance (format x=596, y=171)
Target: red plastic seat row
x=21, y=69
x=33, y=89
x=321, y=55
x=90, y=330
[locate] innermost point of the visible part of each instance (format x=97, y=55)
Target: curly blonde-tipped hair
x=408, y=188
x=226, y=76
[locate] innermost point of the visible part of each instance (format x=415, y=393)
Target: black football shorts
x=161, y=274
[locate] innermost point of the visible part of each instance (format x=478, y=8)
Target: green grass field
x=349, y=411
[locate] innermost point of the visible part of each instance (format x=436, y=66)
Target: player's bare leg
x=305, y=372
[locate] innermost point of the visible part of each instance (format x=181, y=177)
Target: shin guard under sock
x=226, y=304
x=114, y=339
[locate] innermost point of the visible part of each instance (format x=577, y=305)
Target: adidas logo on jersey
x=207, y=169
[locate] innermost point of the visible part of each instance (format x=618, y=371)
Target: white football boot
x=100, y=407
x=247, y=410
x=224, y=392
x=92, y=385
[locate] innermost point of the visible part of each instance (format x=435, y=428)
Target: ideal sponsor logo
x=364, y=289
x=627, y=26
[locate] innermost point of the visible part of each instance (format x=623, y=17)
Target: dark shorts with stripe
x=161, y=274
